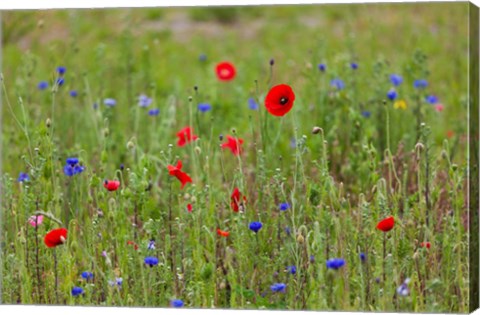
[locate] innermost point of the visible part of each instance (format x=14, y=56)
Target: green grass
x=339, y=182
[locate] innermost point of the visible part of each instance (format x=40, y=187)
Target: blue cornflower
x=420, y=84
x=284, y=206
x=77, y=291
x=144, y=101
x=87, y=275
x=204, y=107
x=122, y=167
x=42, y=85
x=293, y=143
x=363, y=257
x=68, y=170
x=366, y=113
x=176, y=303
x=322, y=67
x=22, y=177
x=335, y=263
x=151, y=261
x=287, y=230
x=403, y=290
x=255, y=226
x=337, y=83
x=72, y=167
x=77, y=169
x=110, y=102
x=392, y=94
x=95, y=105
x=202, y=57
x=252, y=104
x=118, y=282
x=396, y=79
x=278, y=287
x=61, y=70
x=432, y=99
x=292, y=269
x=151, y=244
x=73, y=93
x=72, y=161
x=60, y=81
x=312, y=259
x=154, y=112
x=354, y=65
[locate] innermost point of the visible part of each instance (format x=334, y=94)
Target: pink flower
x=439, y=107
x=35, y=220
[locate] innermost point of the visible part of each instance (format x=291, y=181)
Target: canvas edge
x=473, y=179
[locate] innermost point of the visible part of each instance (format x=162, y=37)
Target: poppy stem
x=384, y=255
x=56, y=274
x=172, y=256
x=37, y=265
x=135, y=209
x=270, y=77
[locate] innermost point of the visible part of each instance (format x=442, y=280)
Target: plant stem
x=56, y=274
x=384, y=256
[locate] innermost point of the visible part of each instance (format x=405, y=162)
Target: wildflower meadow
x=308, y=157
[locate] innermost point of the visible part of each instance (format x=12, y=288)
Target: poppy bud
x=106, y=132
x=130, y=145
x=195, y=88
x=193, y=199
x=198, y=150
x=300, y=239
x=454, y=167
x=190, y=98
x=419, y=146
x=48, y=122
x=444, y=154
x=316, y=130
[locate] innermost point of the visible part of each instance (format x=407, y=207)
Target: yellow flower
x=400, y=104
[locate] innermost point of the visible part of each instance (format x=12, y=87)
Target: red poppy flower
x=135, y=246
x=236, y=201
x=225, y=71
x=189, y=207
x=233, y=144
x=425, y=244
x=185, y=136
x=279, y=100
x=176, y=171
x=111, y=185
x=56, y=237
x=450, y=134
x=386, y=224
x=223, y=233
